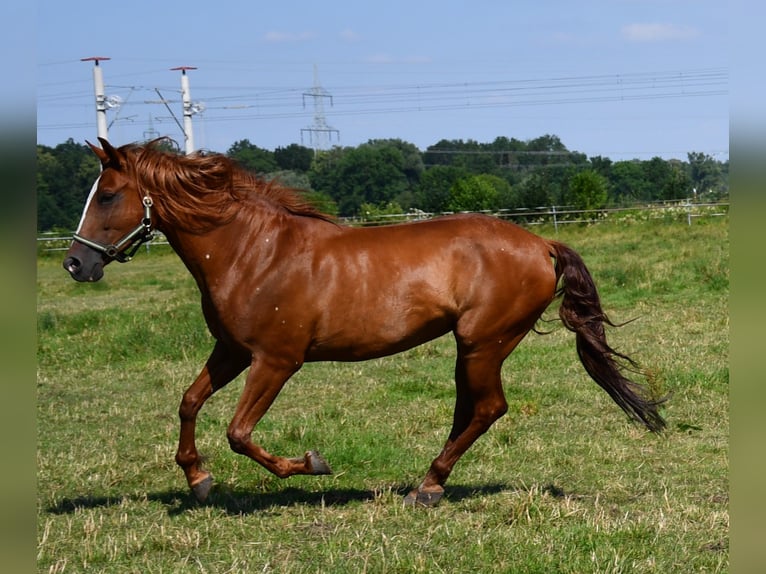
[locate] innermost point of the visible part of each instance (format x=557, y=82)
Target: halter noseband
x=124, y=250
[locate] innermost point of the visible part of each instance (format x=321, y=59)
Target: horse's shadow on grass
x=241, y=501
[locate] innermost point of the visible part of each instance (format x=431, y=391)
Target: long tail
x=581, y=312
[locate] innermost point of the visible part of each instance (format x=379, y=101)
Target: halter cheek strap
x=124, y=249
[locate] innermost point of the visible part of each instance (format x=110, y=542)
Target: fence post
x=555, y=221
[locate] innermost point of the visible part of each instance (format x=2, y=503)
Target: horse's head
x=116, y=219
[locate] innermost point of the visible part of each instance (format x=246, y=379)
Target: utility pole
x=188, y=109
x=320, y=134
x=101, y=104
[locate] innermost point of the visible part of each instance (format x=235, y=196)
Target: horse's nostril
x=72, y=264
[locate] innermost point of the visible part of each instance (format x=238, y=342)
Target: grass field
x=562, y=483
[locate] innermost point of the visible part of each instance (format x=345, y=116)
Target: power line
x=253, y=104
x=275, y=103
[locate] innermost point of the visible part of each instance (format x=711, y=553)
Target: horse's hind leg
x=480, y=402
x=221, y=368
x=264, y=382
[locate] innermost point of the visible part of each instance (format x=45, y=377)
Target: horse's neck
x=210, y=256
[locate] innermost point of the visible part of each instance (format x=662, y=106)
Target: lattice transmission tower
x=319, y=134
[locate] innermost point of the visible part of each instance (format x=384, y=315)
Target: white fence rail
x=561, y=215
x=684, y=212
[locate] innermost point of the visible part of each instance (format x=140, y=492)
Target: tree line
x=394, y=176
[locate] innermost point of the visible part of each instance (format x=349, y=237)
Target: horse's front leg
x=222, y=367
x=264, y=382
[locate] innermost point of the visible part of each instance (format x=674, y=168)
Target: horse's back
x=459, y=251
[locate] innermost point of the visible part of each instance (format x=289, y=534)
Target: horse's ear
x=107, y=154
x=101, y=154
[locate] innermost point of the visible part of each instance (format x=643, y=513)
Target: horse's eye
x=106, y=198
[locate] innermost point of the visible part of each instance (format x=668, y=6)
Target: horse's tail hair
x=581, y=313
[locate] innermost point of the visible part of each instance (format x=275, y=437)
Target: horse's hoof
x=420, y=498
x=316, y=464
x=202, y=488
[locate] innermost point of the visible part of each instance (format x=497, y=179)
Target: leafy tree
x=252, y=157
x=412, y=159
x=665, y=180
x=656, y=175
x=433, y=193
x=65, y=175
x=505, y=151
x=705, y=173
x=533, y=191
x=546, y=151
x=49, y=212
x=294, y=158
x=678, y=184
x=473, y=193
x=627, y=182
x=601, y=165
x=437, y=154
x=323, y=175
x=588, y=190
x=370, y=173
x=546, y=142
x=470, y=155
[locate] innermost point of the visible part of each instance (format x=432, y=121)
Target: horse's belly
x=373, y=335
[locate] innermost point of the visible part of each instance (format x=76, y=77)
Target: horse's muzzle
x=91, y=272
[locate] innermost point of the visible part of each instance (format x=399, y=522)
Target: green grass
x=562, y=483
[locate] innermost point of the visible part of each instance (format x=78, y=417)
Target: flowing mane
x=206, y=190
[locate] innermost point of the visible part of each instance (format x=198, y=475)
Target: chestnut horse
x=282, y=284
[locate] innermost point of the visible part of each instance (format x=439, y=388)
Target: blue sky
x=622, y=79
